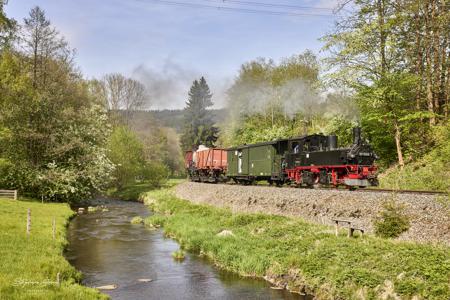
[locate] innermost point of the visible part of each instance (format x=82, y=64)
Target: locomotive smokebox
x=356, y=135
x=332, y=142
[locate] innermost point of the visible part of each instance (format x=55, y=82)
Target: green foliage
x=343, y=128
x=391, y=221
x=137, y=220
x=398, y=77
x=130, y=192
x=276, y=246
x=52, y=131
x=8, y=27
x=155, y=221
x=126, y=151
x=270, y=101
x=385, y=107
x=154, y=173
x=430, y=172
x=199, y=127
x=59, y=151
x=29, y=262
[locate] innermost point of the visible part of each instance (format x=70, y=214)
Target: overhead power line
x=236, y=9
x=277, y=5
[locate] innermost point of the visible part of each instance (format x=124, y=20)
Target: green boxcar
x=249, y=163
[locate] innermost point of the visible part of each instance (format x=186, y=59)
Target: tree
x=199, y=127
x=122, y=96
x=386, y=107
x=52, y=130
x=126, y=152
x=44, y=46
x=7, y=27
x=269, y=101
x=404, y=41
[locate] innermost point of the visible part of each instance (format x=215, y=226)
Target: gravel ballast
x=429, y=217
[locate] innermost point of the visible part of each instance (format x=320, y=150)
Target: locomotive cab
x=316, y=159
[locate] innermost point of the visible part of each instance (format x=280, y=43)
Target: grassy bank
x=431, y=172
x=29, y=265
x=308, y=257
x=133, y=192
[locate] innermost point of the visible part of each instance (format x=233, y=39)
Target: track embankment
x=429, y=214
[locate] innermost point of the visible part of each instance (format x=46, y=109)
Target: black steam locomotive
x=303, y=161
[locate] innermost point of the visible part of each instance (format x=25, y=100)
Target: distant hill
x=174, y=118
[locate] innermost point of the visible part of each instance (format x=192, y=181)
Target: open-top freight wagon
x=206, y=164
x=309, y=161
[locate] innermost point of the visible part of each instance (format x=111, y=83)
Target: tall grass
x=29, y=266
x=308, y=257
x=134, y=191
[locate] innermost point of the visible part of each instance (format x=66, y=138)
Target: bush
x=155, y=173
x=391, y=221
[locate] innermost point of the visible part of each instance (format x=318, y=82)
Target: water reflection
x=108, y=249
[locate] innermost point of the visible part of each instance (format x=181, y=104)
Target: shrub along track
x=301, y=256
x=429, y=213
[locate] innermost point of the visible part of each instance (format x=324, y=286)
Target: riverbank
x=429, y=214
x=303, y=257
x=134, y=192
x=29, y=266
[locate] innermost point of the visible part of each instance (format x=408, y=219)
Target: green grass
x=179, y=255
x=29, y=265
x=137, y=220
x=310, y=257
x=431, y=172
x=133, y=192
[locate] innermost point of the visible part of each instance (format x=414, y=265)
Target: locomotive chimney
x=356, y=135
x=332, y=142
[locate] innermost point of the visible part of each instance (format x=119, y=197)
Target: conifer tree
x=199, y=126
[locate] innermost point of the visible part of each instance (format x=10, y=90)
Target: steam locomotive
x=306, y=161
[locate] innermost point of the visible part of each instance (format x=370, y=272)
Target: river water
x=108, y=249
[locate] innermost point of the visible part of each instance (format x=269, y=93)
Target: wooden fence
x=12, y=194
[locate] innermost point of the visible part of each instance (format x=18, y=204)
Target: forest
x=386, y=68
x=64, y=137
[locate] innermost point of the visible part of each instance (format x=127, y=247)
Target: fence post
x=28, y=221
x=54, y=227
x=336, y=229
x=15, y=194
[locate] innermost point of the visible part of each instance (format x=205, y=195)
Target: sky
x=167, y=45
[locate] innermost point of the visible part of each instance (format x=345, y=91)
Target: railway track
x=402, y=191
x=361, y=190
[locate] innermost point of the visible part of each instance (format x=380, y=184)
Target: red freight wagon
x=211, y=159
x=206, y=164
x=188, y=159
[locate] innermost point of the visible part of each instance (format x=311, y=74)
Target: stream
x=108, y=249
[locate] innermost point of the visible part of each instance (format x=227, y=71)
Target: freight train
x=304, y=161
